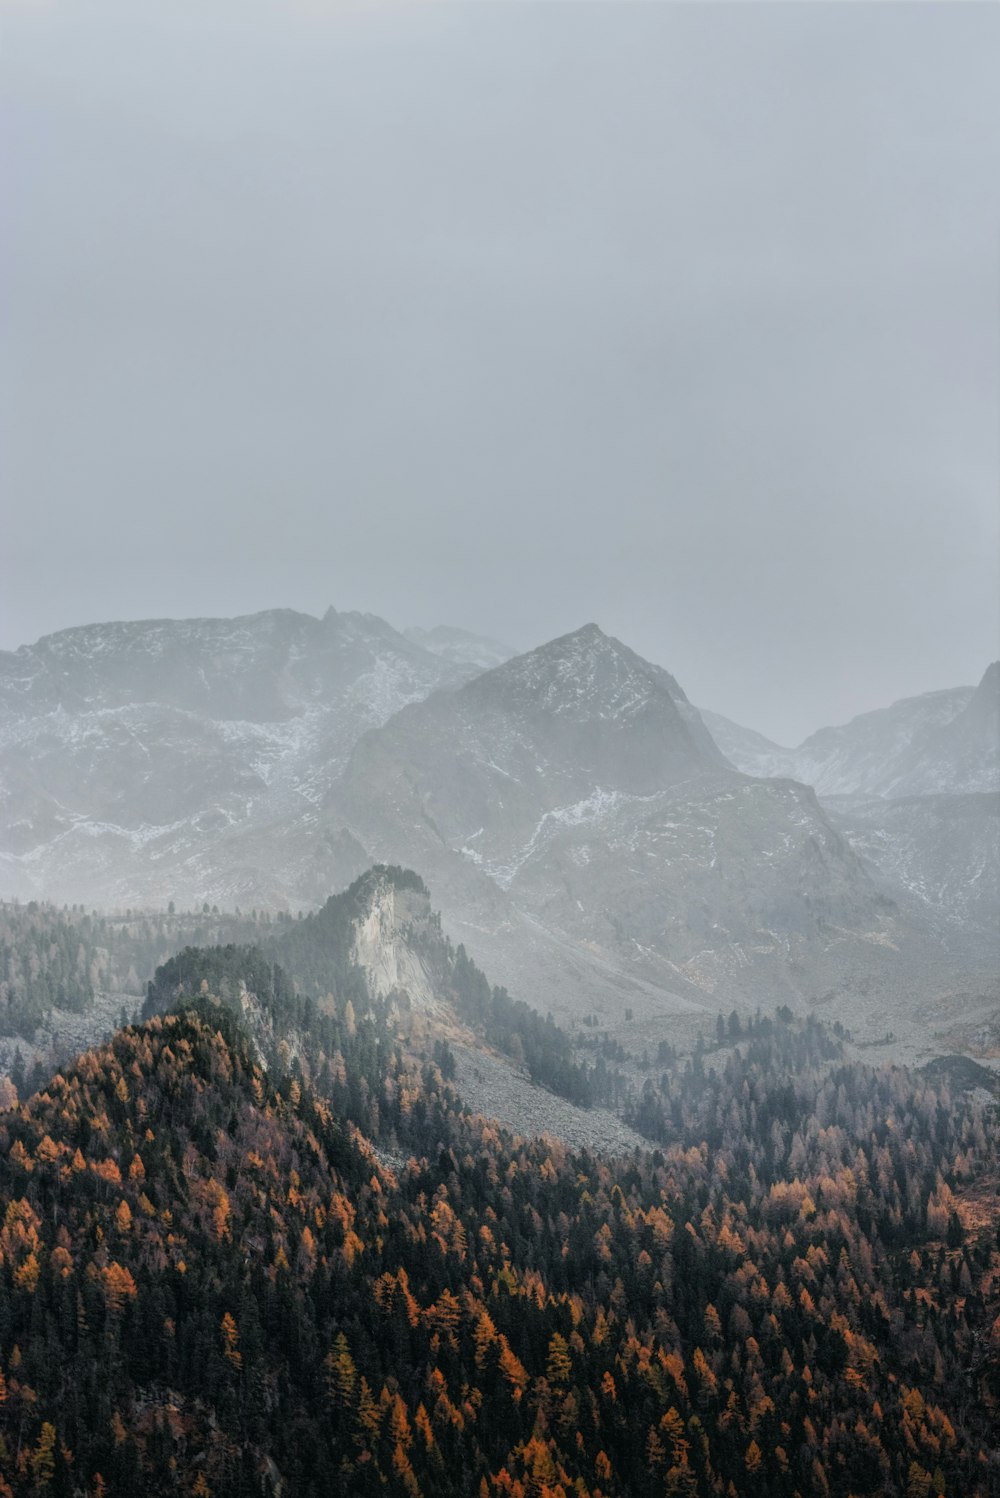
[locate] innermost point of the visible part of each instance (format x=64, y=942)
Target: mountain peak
x=586, y=703
x=587, y=641
x=589, y=636
x=584, y=674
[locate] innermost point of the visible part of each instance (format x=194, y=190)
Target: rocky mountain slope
x=915, y=787
x=592, y=847
x=141, y=762
x=960, y=756
x=377, y=945
x=941, y=852
x=746, y=749
x=941, y=743
x=545, y=738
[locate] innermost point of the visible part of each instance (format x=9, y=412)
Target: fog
x=683, y=319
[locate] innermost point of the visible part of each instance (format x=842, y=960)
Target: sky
x=680, y=318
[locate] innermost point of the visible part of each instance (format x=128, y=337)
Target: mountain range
x=133, y=757
x=596, y=841
x=941, y=743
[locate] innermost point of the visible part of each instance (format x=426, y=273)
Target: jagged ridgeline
x=311, y=980
x=212, y=1283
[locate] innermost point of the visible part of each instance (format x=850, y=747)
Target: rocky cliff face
x=385, y=943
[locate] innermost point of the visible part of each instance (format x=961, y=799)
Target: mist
x=680, y=319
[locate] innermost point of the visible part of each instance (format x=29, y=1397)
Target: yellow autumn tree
x=512, y=1369
x=43, y=1458
x=558, y=1363
x=231, y=1341
x=339, y=1373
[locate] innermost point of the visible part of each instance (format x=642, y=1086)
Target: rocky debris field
x=496, y=1089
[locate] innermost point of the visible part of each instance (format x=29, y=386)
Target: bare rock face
x=383, y=945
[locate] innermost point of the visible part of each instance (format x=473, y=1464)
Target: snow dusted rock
x=939, y=854
x=549, y=736
x=915, y=788
x=960, y=756
x=144, y=761
x=941, y=743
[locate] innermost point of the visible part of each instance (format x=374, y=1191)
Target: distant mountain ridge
x=940, y=743
x=130, y=752
x=462, y=646
x=915, y=787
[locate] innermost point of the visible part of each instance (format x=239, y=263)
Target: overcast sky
x=679, y=318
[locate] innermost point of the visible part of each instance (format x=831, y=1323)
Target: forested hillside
x=61, y=958
x=330, y=1277
x=320, y=951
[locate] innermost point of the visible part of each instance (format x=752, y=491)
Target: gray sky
x=679, y=318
